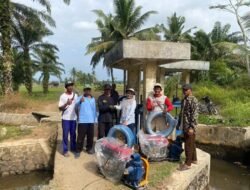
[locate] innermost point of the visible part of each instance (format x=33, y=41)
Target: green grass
x=37, y=94
x=160, y=171
x=233, y=104
x=13, y=132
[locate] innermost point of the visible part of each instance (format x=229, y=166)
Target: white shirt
x=69, y=113
x=127, y=107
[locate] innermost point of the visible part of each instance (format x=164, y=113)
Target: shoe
x=77, y=155
x=66, y=154
x=184, y=167
x=195, y=162
x=91, y=151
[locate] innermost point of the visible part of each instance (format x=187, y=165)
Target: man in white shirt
x=67, y=106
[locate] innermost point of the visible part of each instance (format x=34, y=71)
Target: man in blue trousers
x=67, y=106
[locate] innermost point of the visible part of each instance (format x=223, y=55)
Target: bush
x=233, y=104
x=243, y=82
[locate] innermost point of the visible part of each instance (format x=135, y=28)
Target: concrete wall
x=17, y=119
x=238, y=137
x=196, y=178
x=23, y=156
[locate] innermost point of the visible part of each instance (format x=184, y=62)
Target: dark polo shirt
x=105, y=113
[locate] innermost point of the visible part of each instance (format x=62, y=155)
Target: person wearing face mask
x=127, y=107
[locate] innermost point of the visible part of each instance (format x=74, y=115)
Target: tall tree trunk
x=124, y=81
x=5, y=30
x=27, y=71
x=45, y=82
x=112, y=75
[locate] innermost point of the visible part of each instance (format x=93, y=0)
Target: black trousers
x=103, y=129
x=85, y=129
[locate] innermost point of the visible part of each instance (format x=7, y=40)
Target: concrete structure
x=26, y=155
x=152, y=60
x=195, y=178
x=238, y=137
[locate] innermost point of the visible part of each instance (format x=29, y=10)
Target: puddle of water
x=31, y=181
x=227, y=176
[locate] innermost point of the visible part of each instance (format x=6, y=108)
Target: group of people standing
x=82, y=110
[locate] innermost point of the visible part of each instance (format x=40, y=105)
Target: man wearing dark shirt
x=106, y=109
x=115, y=96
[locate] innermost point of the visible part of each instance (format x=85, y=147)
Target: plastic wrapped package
x=112, y=157
x=155, y=147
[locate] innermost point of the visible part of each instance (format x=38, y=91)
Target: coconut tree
x=46, y=61
x=10, y=12
x=175, y=30
x=125, y=23
x=28, y=35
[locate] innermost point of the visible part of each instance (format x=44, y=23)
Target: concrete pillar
x=185, y=77
x=134, y=76
x=149, y=78
x=160, y=78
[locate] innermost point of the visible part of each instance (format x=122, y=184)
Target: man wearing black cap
x=188, y=122
x=106, y=110
x=67, y=106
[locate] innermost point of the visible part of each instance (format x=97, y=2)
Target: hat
x=131, y=90
x=107, y=86
x=68, y=83
x=87, y=87
x=157, y=85
x=187, y=86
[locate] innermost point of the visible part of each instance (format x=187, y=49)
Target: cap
x=157, y=85
x=68, y=83
x=131, y=90
x=107, y=86
x=187, y=86
x=87, y=87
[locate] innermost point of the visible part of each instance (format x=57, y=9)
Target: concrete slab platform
x=137, y=52
x=187, y=65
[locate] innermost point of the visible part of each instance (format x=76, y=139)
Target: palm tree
x=73, y=74
x=126, y=23
x=46, y=62
x=9, y=13
x=174, y=31
x=28, y=35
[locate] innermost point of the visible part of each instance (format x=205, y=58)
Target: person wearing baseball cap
x=158, y=101
x=127, y=107
x=188, y=122
x=106, y=110
x=67, y=106
x=86, y=118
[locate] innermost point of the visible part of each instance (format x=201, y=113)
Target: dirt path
x=78, y=174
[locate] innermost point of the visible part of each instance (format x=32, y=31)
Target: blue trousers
x=133, y=128
x=69, y=127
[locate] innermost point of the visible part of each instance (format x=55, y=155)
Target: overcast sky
x=76, y=27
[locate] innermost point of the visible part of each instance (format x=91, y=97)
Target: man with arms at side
x=106, y=111
x=188, y=122
x=67, y=106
